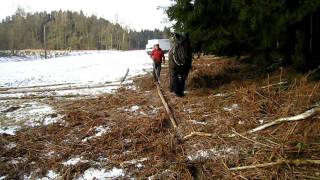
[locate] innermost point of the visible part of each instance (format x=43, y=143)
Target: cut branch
x=295, y=162
x=307, y=114
x=124, y=77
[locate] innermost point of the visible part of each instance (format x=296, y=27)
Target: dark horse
x=180, y=60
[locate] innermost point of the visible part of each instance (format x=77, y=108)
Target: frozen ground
x=25, y=84
x=28, y=84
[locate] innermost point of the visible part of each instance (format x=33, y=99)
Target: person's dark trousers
x=156, y=70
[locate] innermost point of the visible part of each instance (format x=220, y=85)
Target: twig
x=124, y=77
x=198, y=134
x=275, y=84
x=313, y=71
x=295, y=162
x=251, y=139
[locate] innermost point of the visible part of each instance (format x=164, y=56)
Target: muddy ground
x=129, y=135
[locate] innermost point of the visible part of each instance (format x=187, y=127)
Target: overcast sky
x=137, y=14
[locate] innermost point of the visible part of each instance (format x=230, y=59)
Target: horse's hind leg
x=180, y=85
x=171, y=81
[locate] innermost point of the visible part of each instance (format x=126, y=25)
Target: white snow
x=136, y=162
x=30, y=114
x=212, y=153
x=11, y=145
x=18, y=160
x=9, y=130
x=74, y=161
x=231, y=108
x=100, y=130
x=101, y=174
x=51, y=175
x=101, y=67
x=134, y=108
x=198, y=122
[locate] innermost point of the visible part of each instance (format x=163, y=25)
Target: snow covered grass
x=26, y=114
x=81, y=73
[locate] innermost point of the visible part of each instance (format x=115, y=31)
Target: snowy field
x=25, y=85
x=87, y=68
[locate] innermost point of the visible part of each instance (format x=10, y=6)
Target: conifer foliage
x=281, y=31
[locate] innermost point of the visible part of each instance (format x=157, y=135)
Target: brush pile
x=128, y=134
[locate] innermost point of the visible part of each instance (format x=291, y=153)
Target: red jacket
x=157, y=55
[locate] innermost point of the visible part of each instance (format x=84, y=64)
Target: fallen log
x=166, y=106
x=295, y=162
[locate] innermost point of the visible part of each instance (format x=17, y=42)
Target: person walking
x=158, y=58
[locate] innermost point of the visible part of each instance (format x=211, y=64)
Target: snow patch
x=97, y=174
x=9, y=130
x=100, y=130
x=136, y=162
x=50, y=175
x=10, y=146
x=18, y=160
x=34, y=114
x=198, y=122
x=74, y=161
x=133, y=108
x=240, y=122
x=231, y=108
x=212, y=153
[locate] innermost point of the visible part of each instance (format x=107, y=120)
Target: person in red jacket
x=157, y=56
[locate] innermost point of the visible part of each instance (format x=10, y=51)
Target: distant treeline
x=60, y=30
x=271, y=31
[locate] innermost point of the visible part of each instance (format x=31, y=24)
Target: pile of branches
x=216, y=134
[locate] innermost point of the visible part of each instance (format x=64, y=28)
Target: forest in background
x=66, y=30
x=285, y=32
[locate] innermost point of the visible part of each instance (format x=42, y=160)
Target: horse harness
x=174, y=57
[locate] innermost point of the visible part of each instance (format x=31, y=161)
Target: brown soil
x=222, y=96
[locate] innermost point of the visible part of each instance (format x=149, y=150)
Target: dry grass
x=213, y=87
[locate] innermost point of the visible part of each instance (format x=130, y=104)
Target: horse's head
x=181, y=39
x=181, y=48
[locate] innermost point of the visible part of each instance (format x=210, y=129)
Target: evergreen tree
x=269, y=30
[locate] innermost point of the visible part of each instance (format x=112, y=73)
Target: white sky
x=137, y=14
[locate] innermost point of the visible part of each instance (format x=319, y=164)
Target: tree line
x=61, y=30
x=270, y=31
